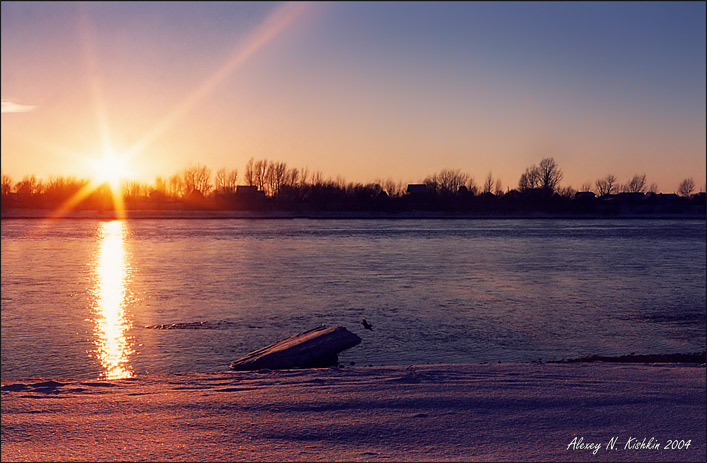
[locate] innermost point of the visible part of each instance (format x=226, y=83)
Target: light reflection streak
x=113, y=347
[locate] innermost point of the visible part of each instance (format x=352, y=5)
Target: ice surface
x=528, y=412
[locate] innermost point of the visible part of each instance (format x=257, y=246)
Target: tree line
x=280, y=184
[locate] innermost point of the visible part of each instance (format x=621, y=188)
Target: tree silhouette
x=447, y=182
x=29, y=186
x=159, y=188
x=607, y=185
x=260, y=169
x=135, y=189
x=225, y=181
x=546, y=175
x=6, y=184
x=529, y=179
x=686, y=187
x=636, y=185
x=285, y=188
x=197, y=178
x=275, y=177
x=391, y=187
x=249, y=175
x=292, y=178
x=176, y=186
x=488, y=184
x=499, y=187
x=550, y=174
x=566, y=192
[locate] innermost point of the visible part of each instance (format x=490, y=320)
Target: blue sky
x=358, y=90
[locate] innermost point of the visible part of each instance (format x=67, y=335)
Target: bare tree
x=55, y=185
x=292, y=178
x=275, y=177
x=546, y=175
x=448, y=181
x=225, y=181
x=29, y=185
x=61, y=188
x=550, y=174
x=304, y=176
x=566, y=192
x=586, y=186
x=400, y=189
x=176, y=186
x=220, y=181
x=390, y=186
x=471, y=186
x=452, y=180
x=317, y=178
x=135, y=189
x=160, y=185
x=499, y=187
x=197, y=178
x=260, y=169
x=339, y=182
x=232, y=180
x=249, y=175
x=636, y=185
x=488, y=184
x=607, y=185
x=686, y=187
x=432, y=183
x=6, y=184
x=653, y=188
x=529, y=179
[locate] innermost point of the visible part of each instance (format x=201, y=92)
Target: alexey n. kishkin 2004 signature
x=632, y=443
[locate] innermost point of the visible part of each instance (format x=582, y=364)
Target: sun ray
x=274, y=25
x=74, y=200
x=89, y=51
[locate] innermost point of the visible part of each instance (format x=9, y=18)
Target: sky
x=359, y=90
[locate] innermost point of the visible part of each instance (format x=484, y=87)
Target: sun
x=110, y=169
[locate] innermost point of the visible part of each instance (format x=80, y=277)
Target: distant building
x=195, y=196
x=417, y=189
x=631, y=196
x=250, y=194
x=584, y=195
x=247, y=190
x=672, y=197
x=195, y=199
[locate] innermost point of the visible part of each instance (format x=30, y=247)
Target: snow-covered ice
x=527, y=412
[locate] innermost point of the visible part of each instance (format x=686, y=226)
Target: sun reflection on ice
x=112, y=344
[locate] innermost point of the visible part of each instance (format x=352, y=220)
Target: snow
x=499, y=412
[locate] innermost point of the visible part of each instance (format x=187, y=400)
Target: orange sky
x=362, y=91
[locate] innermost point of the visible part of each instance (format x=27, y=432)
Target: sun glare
x=110, y=169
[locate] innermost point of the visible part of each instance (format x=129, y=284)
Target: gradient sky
x=358, y=90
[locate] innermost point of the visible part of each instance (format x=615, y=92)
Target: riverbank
x=498, y=412
x=319, y=215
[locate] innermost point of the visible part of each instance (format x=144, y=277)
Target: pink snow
x=528, y=412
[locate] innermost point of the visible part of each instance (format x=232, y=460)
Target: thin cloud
x=11, y=107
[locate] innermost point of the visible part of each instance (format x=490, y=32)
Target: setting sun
x=110, y=169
